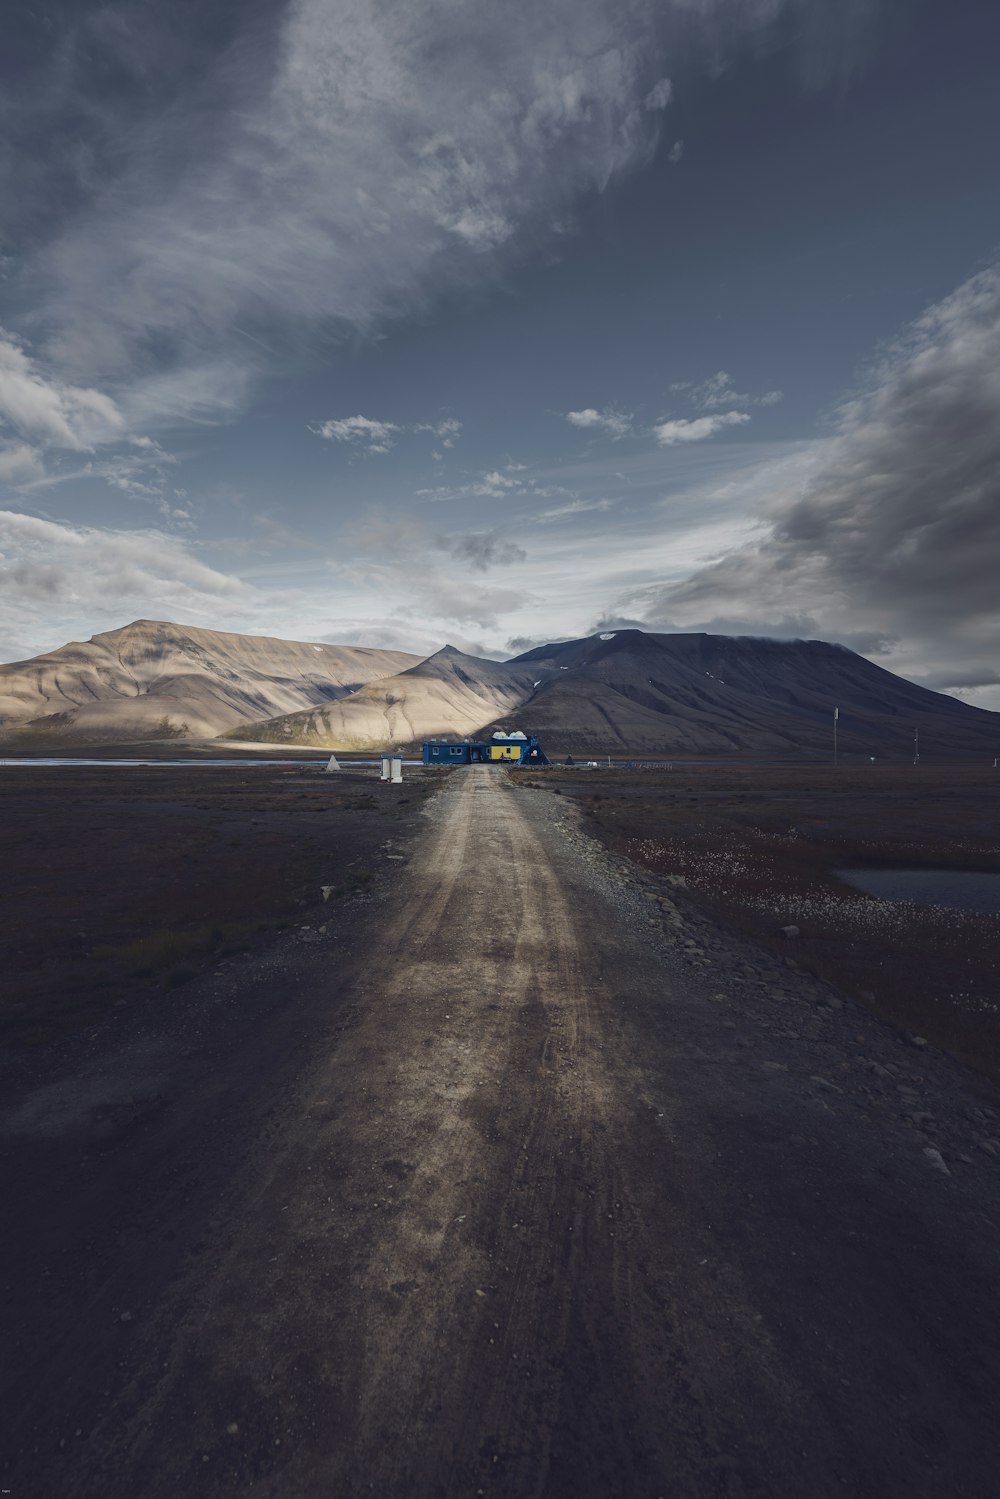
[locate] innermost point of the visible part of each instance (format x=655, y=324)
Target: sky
x=456, y=322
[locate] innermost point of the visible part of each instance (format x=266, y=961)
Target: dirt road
x=545, y=1190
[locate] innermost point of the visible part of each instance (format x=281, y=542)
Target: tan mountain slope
x=449, y=693
x=155, y=679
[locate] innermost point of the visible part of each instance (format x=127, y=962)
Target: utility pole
x=836, y=715
x=916, y=746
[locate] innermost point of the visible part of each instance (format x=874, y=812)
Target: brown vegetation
x=760, y=847
x=123, y=879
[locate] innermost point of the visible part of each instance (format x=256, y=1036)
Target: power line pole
x=916, y=746
x=836, y=715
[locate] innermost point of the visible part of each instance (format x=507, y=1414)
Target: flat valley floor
x=517, y=1181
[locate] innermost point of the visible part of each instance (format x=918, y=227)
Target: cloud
x=426, y=574
x=448, y=431
x=895, y=532
x=48, y=410
x=711, y=394
x=61, y=419
x=215, y=196
x=718, y=390
x=333, y=168
x=484, y=549
x=572, y=507
x=492, y=485
x=52, y=572
x=680, y=430
x=20, y=463
x=375, y=437
x=660, y=94
x=676, y=152
x=381, y=437
x=616, y=424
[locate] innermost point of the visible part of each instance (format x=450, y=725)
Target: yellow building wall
x=504, y=752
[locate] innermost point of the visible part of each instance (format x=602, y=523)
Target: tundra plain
x=515, y=1166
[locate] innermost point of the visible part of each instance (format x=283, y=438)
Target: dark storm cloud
x=897, y=531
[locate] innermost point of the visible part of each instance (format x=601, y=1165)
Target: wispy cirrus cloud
x=263, y=178
x=380, y=437
x=718, y=390
x=49, y=411
x=54, y=433
x=330, y=167
x=571, y=508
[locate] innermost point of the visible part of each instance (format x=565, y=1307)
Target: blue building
x=509, y=749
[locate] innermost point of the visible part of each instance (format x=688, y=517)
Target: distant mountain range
x=155, y=680
x=623, y=692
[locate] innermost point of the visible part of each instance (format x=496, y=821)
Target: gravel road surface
x=521, y=1180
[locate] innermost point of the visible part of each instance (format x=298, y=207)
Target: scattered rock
x=917, y=1041
x=936, y=1159
x=789, y=931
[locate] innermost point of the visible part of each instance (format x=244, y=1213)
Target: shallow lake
x=955, y=889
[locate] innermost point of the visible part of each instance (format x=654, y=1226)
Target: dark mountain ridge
x=632, y=691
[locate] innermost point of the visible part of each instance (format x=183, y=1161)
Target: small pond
x=955, y=889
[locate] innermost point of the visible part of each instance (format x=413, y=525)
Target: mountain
x=628, y=692
x=623, y=692
x=154, y=680
x=449, y=693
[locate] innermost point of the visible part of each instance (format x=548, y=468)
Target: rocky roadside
x=922, y=1102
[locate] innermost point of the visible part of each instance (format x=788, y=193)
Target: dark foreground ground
x=515, y=1174
x=128, y=880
